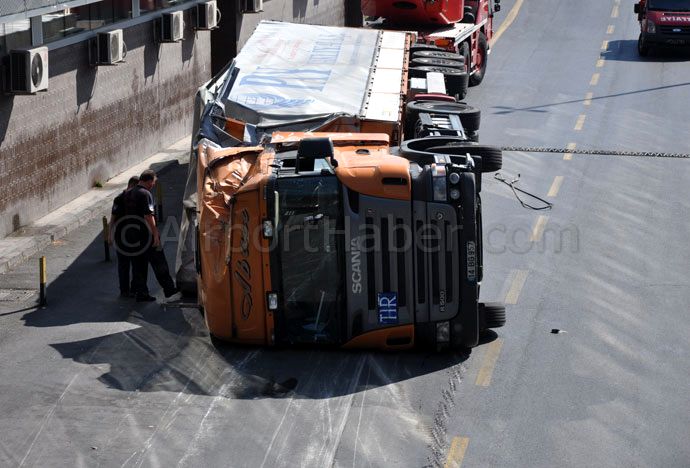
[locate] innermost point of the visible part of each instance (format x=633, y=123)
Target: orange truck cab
x=347, y=229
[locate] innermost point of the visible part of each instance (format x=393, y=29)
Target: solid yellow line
x=588, y=99
x=569, y=156
x=519, y=279
x=456, y=453
x=601, y=62
x=555, y=186
x=538, y=229
x=507, y=22
x=486, y=371
x=614, y=12
x=594, y=80
x=580, y=122
x=610, y=29
x=605, y=45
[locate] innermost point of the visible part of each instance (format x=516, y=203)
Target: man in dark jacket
x=124, y=263
x=142, y=239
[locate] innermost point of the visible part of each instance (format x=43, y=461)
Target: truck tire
x=419, y=149
x=642, y=46
x=426, y=47
x=438, y=62
x=470, y=117
x=483, y=48
x=457, y=80
x=492, y=157
x=438, y=54
x=464, y=51
x=493, y=314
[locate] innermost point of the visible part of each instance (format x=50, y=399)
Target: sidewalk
x=95, y=203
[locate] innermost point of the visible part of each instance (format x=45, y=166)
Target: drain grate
x=16, y=295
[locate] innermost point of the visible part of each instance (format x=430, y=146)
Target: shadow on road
x=159, y=347
x=626, y=51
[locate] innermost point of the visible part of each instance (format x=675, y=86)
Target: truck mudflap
x=465, y=325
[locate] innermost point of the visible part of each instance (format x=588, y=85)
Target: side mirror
x=311, y=149
x=636, y=7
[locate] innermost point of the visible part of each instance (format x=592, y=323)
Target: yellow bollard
x=106, y=239
x=43, y=280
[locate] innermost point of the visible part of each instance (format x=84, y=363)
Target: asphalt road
x=92, y=380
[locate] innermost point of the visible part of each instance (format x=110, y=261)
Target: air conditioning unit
x=109, y=48
x=27, y=71
x=172, y=27
x=207, y=15
x=251, y=6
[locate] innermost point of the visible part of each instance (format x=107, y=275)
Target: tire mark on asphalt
x=439, y=432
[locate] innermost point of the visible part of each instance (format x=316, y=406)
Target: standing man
x=124, y=263
x=142, y=236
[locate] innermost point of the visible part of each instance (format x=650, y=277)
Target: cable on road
x=511, y=183
x=595, y=152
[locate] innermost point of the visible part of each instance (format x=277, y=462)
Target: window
x=15, y=35
x=84, y=18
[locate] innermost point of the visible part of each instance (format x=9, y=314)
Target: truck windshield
x=668, y=5
x=310, y=255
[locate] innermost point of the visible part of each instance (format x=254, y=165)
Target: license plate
x=471, y=261
x=388, y=308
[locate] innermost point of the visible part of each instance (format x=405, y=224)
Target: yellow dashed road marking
x=614, y=12
x=493, y=350
x=605, y=45
x=507, y=22
x=588, y=99
x=601, y=62
x=555, y=186
x=519, y=278
x=610, y=29
x=580, y=122
x=594, y=80
x=456, y=453
x=538, y=229
x=569, y=156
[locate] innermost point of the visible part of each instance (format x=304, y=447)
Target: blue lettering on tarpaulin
x=326, y=50
x=388, y=308
x=303, y=78
x=267, y=101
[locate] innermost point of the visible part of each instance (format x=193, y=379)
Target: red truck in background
x=662, y=22
x=453, y=36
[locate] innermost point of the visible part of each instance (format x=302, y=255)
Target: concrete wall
x=95, y=122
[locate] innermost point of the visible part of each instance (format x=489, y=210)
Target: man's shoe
x=145, y=298
x=170, y=292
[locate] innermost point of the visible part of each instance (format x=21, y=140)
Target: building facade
x=93, y=122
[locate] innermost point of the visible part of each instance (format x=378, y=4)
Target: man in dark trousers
x=124, y=263
x=143, y=241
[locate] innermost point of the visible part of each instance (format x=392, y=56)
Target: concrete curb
x=29, y=240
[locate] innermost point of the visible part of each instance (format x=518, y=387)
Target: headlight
x=455, y=194
x=443, y=332
x=267, y=228
x=454, y=178
x=651, y=27
x=438, y=173
x=272, y=299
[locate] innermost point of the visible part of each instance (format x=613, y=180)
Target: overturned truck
x=333, y=199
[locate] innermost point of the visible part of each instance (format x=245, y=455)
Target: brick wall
x=95, y=122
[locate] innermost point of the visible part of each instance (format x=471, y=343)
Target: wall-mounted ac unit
x=109, y=48
x=251, y=6
x=207, y=15
x=172, y=27
x=27, y=71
